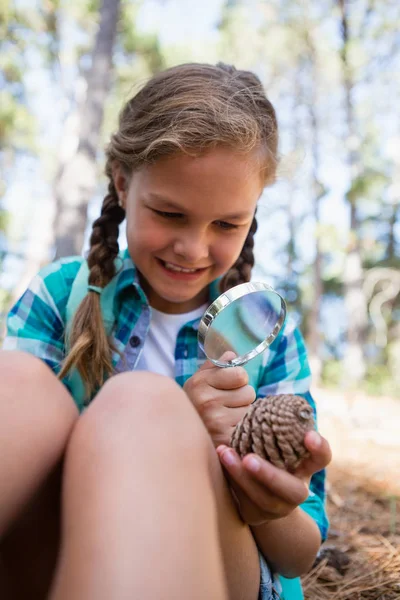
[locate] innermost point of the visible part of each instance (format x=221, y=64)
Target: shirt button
x=134, y=341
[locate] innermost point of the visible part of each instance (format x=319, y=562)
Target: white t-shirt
x=158, y=354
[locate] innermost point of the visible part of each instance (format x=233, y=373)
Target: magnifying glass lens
x=244, y=320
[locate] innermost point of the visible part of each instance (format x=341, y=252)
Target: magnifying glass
x=245, y=320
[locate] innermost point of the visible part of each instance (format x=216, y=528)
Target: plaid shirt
x=36, y=324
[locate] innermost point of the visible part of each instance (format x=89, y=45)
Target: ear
x=120, y=182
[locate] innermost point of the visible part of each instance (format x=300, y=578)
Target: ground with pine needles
x=361, y=558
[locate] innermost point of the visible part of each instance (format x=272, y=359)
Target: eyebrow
x=167, y=203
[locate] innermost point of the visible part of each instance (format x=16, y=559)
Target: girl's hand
x=264, y=492
x=221, y=397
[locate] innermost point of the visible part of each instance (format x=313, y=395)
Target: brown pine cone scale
x=274, y=428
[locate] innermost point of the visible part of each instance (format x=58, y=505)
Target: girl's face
x=187, y=220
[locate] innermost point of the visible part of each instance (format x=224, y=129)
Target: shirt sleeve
x=287, y=371
x=36, y=324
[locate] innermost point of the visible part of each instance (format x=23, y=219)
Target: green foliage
x=4, y=220
x=17, y=127
x=367, y=186
x=293, y=47
x=332, y=373
x=333, y=286
x=17, y=32
x=135, y=44
x=392, y=263
x=380, y=382
x=138, y=56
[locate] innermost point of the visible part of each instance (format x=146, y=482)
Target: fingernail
x=228, y=355
x=315, y=439
x=228, y=458
x=252, y=464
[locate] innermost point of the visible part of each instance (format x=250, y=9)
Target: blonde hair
x=189, y=108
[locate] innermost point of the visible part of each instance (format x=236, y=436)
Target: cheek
x=227, y=250
x=144, y=234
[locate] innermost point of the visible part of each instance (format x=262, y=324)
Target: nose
x=192, y=246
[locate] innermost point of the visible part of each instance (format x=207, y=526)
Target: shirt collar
x=126, y=272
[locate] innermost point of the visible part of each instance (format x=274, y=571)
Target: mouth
x=179, y=270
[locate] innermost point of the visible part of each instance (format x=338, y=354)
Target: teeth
x=172, y=267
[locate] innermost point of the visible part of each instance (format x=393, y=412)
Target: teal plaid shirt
x=36, y=324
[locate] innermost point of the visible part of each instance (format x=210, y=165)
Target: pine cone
x=274, y=428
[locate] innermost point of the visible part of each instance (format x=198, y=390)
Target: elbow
x=302, y=564
x=297, y=570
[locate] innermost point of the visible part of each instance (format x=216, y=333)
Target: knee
x=141, y=409
x=34, y=389
x=21, y=369
x=141, y=397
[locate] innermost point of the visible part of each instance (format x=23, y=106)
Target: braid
x=91, y=351
x=240, y=272
x=104, y=239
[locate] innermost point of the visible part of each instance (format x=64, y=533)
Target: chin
x=183, y=302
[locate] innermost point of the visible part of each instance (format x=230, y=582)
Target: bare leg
x=36, y=418
x=238, y=548
x=30, y=547
x=139, y=509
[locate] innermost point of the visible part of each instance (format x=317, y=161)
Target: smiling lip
x=178, y=272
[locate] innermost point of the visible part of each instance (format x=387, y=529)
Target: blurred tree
x=55, y=53
x=355, y=302
x=18, y=29
x=66, y=56
x=324, y=97
x=295, y=50
x=76, y=178
x=120, y=54
x=368, y=46
x=17, y=124
x=318, y=192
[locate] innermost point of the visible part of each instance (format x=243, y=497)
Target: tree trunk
x=394, y=219
x=355, y=302
x=318, y=191
x=75, y=182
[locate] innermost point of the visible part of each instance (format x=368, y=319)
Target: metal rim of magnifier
x=222, y=302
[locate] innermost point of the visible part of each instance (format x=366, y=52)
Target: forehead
x=217, y=180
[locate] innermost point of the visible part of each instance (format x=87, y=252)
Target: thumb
x=226, y=356
x=320, y=455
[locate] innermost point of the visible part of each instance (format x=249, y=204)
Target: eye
x=225, y=225
x=167, y=215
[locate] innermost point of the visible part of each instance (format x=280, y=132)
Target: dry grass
x=361, y=558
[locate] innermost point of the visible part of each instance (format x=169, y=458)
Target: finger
x=286, y=487
x=236, y=414
x=243, y=483
x=240, y=398
x=320, y=455
x=208, y=364
x=228, y=400
x=280, y=482
x=223, y=424
x=228, y=379
x=270, y=506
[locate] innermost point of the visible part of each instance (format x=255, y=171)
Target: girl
x=147, y=511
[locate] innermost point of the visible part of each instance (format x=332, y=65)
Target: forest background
x=329, y=234
x=329, y=229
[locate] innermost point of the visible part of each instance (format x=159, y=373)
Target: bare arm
x=289, y=544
